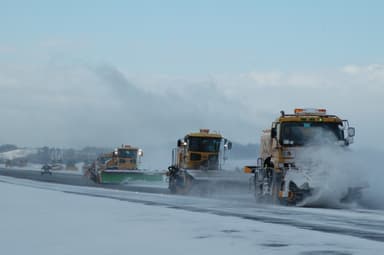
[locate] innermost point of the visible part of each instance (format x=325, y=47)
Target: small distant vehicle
x=46, y=169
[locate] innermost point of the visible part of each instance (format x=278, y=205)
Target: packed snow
x=40, y=221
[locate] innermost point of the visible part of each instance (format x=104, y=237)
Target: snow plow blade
x=319, y=198
x=192, y=181
x=128, y=176
x=308, y=196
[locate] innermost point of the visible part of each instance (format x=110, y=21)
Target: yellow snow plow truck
x=284, y=171
x=198, y=158
x=121, y=166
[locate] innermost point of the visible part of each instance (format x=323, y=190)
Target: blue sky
x=201, y=64
x=196, y=37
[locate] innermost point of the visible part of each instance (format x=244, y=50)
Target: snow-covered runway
x=47, y=218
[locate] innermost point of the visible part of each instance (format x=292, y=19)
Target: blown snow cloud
x=78, y=104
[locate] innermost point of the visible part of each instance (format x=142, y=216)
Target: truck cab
x=200, y=151
x=125, y=158
x=306, y=127
x=198, y=156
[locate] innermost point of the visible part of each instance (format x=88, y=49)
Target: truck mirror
x=351, y=131
x=181, y=143
x=273, y=132
x=229, y=145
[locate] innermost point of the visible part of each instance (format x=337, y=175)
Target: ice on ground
x=38, y=221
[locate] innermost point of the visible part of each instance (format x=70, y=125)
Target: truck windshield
x=127, y=153
x=306, y=133
x=203, y=144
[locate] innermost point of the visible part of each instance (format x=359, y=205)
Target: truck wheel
x=180, y=184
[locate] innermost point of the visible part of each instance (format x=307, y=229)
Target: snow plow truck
x=197, y=162
x=121, y=166
x=281, y=175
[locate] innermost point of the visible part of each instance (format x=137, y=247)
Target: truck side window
x=277, y=125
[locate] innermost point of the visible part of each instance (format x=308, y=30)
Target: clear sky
x=197, y=37
x=226, y=65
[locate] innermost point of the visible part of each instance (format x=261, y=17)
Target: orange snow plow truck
x=281, y=174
